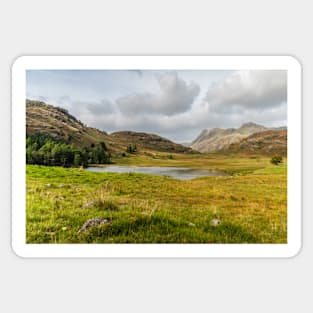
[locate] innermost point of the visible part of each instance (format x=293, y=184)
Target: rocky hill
x=60, y=124
x=149, y=141
x=220, y=139
x=268, y=142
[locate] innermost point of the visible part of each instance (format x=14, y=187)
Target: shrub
x=276, y=159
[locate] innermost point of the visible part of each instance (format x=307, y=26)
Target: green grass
x=251, y=204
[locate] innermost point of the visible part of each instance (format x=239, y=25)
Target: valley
x=73, y=205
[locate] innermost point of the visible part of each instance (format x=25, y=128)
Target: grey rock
x=215, y=222
x=61, y=186
x=97, y=221
x=89, y=204
x=48, y=185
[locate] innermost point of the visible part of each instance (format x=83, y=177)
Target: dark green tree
x=276, y=159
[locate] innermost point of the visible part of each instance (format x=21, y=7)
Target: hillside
x=266, y=143
x=220, y=139
x=149, y=141
x=59, y=124
x=42, y=118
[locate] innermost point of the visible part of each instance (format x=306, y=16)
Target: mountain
x=267, y=142
x=149, y=141
x=219, y=138
x=60, y=124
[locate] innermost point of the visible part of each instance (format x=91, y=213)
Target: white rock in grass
x=215, y=222
x=97, y=221
x=89, y=204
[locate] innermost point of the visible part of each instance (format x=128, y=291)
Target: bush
x=276, y=159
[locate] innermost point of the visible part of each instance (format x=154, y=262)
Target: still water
x=182, y=173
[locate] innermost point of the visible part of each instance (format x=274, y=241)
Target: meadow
x=250, y=204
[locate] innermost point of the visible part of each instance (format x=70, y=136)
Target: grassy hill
x=60, y=124
x=266, y=143
x=149, y=141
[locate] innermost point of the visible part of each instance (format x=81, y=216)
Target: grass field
x=251, y=204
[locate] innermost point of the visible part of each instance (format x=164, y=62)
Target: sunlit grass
x=251, y=204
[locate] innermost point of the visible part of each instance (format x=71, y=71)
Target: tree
x=77, y=158
x=103, y=146
x=276, y=159
x=131, y=148
x=45, y=150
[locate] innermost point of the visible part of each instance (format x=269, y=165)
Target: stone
x=89, y=204
x=94, y=222
x=215, y=222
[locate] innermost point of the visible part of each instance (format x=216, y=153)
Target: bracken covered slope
x=149, y=141
x=268, y=142
x=60, y=124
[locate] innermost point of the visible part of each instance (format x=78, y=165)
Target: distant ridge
x=220, y=139
x=150, y=141
x=268, y=142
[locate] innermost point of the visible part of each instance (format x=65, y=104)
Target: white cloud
x=102, y=107
x=248, y=90
x=167, y=103
x=175, y=96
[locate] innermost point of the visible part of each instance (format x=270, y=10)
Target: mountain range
x=58, y=123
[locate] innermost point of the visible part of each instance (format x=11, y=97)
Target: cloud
x=175, y=96
x=248, y=90
x=167, y=103
x=104, y=106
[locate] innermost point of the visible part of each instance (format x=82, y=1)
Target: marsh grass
x=251, y=204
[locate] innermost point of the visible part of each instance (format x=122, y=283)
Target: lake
x=182, y=173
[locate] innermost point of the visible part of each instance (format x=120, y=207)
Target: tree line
x=43, y=149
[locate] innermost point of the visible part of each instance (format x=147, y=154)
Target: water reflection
x=182, y=173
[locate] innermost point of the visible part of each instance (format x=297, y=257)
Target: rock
x=59, y=198
x=215, y=222
x=61, y=186
x=97, y=221
x=48, y=185
x=191, y=224
x=89, y=204
x=50, y=233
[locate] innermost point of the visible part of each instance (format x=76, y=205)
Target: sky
x=176, y=104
